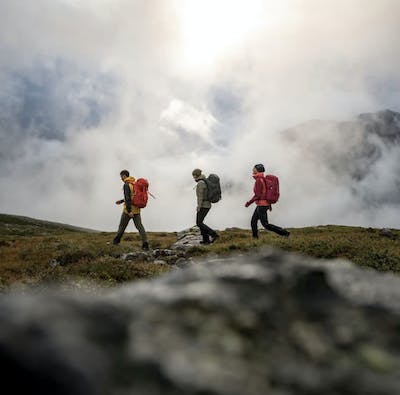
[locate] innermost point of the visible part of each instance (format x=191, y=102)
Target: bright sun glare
x=209, y=27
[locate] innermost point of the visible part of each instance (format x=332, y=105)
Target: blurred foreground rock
x=272, y=323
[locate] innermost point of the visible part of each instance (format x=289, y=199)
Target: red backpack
x=272, y=188
x=140, y=193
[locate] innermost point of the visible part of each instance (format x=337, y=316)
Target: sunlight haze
x=163, y=87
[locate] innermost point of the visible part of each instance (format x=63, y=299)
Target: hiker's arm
x=201, y=193
x=127, y=196
x=257, y=194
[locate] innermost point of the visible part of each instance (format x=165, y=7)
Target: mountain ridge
x=19, y=225
x=362, y=154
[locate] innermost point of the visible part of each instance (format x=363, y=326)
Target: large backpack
x=140, y=193
x=213, y=188
x=272, y=188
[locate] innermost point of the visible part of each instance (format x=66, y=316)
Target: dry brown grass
x=90, y=257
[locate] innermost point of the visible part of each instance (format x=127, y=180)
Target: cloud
x=90, y=88
x=357, y=174
x=180, y=120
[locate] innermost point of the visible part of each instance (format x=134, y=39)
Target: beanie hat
x=259, y=167
x=196, y=172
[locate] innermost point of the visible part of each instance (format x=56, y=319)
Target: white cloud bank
x=90, y=88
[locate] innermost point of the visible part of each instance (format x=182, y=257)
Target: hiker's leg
x=263, y=216
x=123, y=223
x=204, y=229
x=277, y=229
x=210, y=232
x=254, y=221
x=137, y=220
x=264, y=221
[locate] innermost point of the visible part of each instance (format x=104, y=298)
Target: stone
x=163, y=252
x=183, y=262
x=137, y=256
x=387, y=233
x=54, y=262
x=160, y=262
x=187, y=239
x=268, y=323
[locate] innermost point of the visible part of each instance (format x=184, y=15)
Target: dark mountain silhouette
x=355, y=153
x=26, y=226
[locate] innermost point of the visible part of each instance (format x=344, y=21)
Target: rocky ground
x=176, y=255
x=271, y=322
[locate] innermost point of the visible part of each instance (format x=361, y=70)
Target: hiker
x=203, y=207
x=129, y=211
x=260, y=213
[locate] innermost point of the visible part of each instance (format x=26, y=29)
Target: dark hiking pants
x=260, y=214
x=205, y=230
x=125, y=218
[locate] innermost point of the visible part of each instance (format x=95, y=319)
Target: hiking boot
x=115, y=242
x=145, y=246
x=286, y=233
x=215, y=237
x=205, y=242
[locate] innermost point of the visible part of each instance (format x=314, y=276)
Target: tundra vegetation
x=38, y=254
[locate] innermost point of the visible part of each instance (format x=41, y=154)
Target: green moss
x=83, y=255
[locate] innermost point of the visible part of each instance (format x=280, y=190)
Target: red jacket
x=259, y=191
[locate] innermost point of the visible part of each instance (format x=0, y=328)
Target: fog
x=161, y=88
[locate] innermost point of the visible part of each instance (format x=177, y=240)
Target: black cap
x=259, y=167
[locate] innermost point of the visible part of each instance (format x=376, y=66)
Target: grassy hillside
x=24, y=226
x=87, y=259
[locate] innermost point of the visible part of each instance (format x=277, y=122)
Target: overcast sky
x=89, y=88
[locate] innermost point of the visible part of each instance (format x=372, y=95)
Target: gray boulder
x=271, y=323
x=187, y=239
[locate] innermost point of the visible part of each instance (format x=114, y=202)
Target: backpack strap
x=264, y=183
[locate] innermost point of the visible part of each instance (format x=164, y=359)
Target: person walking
x=260, y=212
x=130, y=211
x=203, y=207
